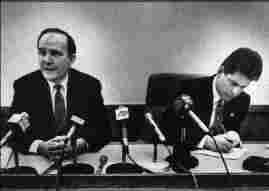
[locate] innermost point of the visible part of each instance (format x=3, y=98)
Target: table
x=210, y=172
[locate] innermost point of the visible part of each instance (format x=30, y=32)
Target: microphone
x=156, y=166
x=75, y=120
x=122, y=113
x=149, y=117
x=102, y=162
x=15, y=123
x=184, y=103
x=75, y=167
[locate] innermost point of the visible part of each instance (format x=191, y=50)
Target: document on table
x=6, y=155
x=39, y=163
x=235, y=153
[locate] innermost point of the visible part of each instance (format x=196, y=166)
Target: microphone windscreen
x=178, y=104
x=77, y=120
x=256, y=163
x=122, y=113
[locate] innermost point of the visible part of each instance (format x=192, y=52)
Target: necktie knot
x=58, y=87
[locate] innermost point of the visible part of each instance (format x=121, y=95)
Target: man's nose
x=47, y=58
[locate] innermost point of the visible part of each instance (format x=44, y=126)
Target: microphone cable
x=148, y=116
x=143, y=168
x=229, y=176
x=180, y=165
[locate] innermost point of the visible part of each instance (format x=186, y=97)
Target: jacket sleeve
x=22, y=140
x=97, y=131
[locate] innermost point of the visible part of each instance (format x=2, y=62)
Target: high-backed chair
x=162, y=89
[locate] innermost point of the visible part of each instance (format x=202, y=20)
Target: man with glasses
x=219, y=101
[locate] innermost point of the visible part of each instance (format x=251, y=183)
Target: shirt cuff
x=34, y=146
x=202, y=142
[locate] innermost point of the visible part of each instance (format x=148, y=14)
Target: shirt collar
x=63, y=83
x=216, y=96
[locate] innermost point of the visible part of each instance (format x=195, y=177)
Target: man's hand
x=234, y=137
x=52, y=148
x=224, y=144
x=60, y=146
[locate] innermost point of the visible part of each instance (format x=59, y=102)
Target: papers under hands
x=5, y=156
x=235, y=153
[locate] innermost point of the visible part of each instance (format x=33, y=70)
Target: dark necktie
x=59, y=109
x=217, y=126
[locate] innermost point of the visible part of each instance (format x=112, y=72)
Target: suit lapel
x=205, y=98
x=45, y=94
x=70, y=95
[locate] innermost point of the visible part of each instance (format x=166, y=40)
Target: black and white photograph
x=134, y=95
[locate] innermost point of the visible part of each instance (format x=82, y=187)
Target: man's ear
x=73, y=58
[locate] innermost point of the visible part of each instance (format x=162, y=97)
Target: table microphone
x=184, y=104
x=14, y=124
x=150, y=119
x=161, y=165
x=122, y=114
x=102, y=162
x=74, y=168
x=18, y=122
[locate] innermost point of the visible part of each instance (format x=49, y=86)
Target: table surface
x=209, y=172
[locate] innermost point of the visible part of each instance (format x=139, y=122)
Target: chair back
x=162, y=87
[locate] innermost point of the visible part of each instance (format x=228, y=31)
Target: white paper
x=235, y=153
x=6, y=155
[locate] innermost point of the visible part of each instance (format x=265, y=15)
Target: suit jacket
x=202, y=94
x=84, y=99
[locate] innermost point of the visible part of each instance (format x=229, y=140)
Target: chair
x=162, y=89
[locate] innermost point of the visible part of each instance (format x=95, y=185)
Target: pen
x=239, y=145
x=229, y=140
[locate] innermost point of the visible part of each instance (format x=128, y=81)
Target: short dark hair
x=71, y=46
x=244, y=60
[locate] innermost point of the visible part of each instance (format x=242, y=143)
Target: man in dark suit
x=227, y=87
x=55, y=93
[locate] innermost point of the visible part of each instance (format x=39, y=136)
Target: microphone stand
x=75, y=167
x=207, y=131
x=124, y=166
x=155, y=149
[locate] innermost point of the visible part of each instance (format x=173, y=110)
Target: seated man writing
x=219, y=101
